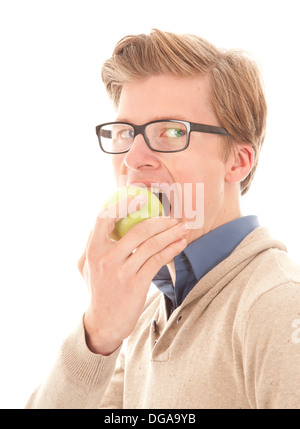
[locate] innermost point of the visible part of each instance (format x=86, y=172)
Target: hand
x=119, y=275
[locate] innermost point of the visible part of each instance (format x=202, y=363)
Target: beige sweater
x=233, y=343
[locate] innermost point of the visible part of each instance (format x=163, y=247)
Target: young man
x=221, y=330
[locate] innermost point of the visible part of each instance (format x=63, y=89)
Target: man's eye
x=126, y=134
x=174, y=132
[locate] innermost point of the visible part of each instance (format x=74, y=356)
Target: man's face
x=172, y=97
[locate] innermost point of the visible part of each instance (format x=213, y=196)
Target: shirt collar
x=212, y=248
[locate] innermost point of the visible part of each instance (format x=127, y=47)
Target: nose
x=140, y=156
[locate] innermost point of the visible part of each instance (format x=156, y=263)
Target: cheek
x=209, y=174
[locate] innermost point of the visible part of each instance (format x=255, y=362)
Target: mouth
x=161, y=191
x=164, y=200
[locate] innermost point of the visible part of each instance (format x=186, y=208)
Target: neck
x=226, y=214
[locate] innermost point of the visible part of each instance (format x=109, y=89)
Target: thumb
x=107, y=218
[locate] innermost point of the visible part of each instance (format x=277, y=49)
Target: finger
x=155, y=262
x=156, y=244
x=143, y=231
x=106, y=219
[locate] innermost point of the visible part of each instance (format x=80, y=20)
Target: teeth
x=155, y=190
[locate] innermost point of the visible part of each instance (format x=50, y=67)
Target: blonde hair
x=237, y=94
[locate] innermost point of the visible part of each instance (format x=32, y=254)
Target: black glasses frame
x=140, y=129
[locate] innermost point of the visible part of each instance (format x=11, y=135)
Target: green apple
x=152, y=208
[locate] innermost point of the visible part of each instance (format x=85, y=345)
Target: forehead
x=166, y=96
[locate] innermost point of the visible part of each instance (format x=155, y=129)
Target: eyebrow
x=157, y=118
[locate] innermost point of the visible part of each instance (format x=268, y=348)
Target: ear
x=239, y=163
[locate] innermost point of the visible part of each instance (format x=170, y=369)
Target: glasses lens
x=116, y=137
x=167, y=136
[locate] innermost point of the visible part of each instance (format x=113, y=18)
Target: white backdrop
x=53, y=175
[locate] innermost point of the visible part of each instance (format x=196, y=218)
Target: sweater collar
x=202, y=255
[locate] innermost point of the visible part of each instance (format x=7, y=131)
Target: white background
x=53, y=175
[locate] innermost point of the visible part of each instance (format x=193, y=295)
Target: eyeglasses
x=161, y=136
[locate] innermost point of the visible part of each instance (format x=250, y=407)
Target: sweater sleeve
x=271, y=355
x=79, y=378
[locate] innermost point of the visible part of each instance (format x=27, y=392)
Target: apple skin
x=151, y=208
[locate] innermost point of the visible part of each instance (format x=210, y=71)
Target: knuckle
x=156, y=259
x=152, y=244
x=105, y=263
x=122, y=276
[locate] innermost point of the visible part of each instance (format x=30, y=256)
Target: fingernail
x=140, y=200
x=136, y=203
x=184, y=226
x=183, y=242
